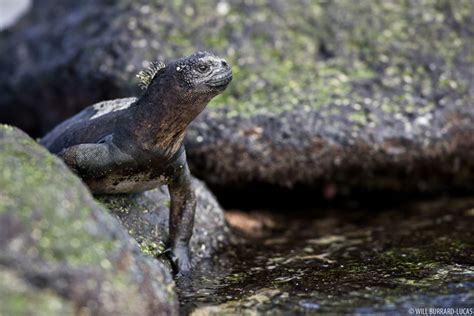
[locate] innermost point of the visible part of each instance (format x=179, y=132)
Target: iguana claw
x=180, y=260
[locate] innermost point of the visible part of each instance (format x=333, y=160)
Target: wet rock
x=145, y=216
x=251, y=225
x=337, y=152
x=62, y=253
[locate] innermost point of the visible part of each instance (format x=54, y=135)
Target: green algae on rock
x=145, y=216
x=316, y=84
x=59, y=244
x=350, y=151
x=19, y=298
x=399, y=55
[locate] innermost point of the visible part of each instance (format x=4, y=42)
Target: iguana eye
x=203, y=68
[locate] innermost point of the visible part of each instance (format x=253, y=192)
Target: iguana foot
x=181, y=261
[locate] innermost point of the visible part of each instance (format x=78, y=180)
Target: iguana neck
x=158, y=120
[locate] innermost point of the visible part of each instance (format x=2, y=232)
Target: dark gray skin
x=133, y=145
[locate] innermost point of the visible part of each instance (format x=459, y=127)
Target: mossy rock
x=146, y=217
x=17, y=297
x=333, y=155
x=402, y=57
x=315, y=84
x=61, y=251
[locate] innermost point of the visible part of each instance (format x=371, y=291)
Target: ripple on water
x=345, y=261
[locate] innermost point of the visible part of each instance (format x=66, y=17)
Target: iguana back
x=88, y=126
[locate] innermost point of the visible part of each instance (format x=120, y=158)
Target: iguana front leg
x=92, y=160
x=181, y=221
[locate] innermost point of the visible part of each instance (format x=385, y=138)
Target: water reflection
x=357, y=261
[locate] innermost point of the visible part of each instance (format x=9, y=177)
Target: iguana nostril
x=224, y=63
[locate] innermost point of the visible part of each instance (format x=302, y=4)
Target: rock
x=66, y=55
x=317, y=88
x=145, y=216
x=251, y=224
x=11, y=11
x=20, y=298
x=339, y=152
x=62, y=253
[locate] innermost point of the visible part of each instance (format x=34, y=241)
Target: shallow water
x=417, y=255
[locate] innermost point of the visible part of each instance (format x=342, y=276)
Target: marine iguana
x=136, y=144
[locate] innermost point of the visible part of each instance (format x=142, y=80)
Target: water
x=345, y=261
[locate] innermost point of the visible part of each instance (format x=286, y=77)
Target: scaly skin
x=132, y=145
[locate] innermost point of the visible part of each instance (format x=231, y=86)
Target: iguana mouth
x=221, y=80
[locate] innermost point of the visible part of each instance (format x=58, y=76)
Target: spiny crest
x=146, y=75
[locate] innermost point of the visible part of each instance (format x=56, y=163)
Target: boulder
x=62, y=252
x=317, y=88
x=338, y=151
x=145, y=216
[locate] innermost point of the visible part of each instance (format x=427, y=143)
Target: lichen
x=131, y=209
x=152, y=248
x=20, y=298
x=32, y=180
x=61, y=229
x=334, y=50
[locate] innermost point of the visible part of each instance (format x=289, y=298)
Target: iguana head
x=175, y=94
x=203, y=71
x=200, y=76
